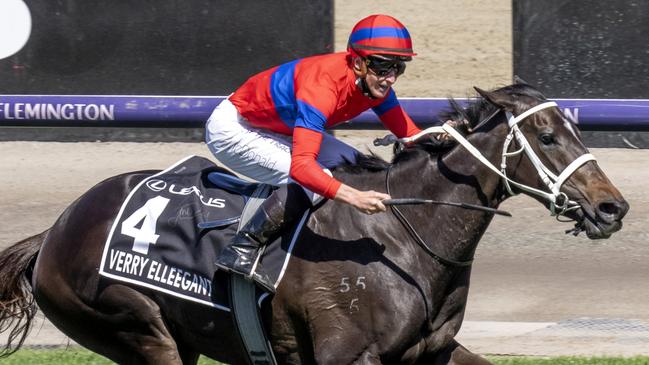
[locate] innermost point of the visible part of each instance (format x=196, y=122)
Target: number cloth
x=156, y=241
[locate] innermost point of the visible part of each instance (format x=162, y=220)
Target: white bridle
x=553, y=182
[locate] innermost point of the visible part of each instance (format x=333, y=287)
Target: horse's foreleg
x=455, y=354
x=368, y=358
x=462, y=356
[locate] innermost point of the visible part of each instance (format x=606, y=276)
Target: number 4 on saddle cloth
x=171, y=227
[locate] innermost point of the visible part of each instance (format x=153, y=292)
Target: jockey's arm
x=316, y=102
x=395, y=118
x=308, y=173
x=399, y=123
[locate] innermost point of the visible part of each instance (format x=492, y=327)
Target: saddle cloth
x=156, y=242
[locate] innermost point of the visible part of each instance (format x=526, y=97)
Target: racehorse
x=383, y=289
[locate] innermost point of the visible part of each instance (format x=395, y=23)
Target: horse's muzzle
x=603, y=219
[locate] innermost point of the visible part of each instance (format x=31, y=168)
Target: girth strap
x=243, y=298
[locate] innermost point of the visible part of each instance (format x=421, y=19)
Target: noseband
x=559, y=201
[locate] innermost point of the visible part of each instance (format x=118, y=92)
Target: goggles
x=383, y=67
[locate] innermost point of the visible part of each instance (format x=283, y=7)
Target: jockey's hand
x=452, y=123
x=368, y=202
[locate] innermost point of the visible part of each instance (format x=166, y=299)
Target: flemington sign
x=19, y=110
x=193, y=111
x=57, y=111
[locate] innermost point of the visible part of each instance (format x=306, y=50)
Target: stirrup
x=263, y=281
x=255, y=263
x=231, y=256
x=259, y=276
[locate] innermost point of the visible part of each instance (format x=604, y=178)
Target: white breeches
x=259, y=154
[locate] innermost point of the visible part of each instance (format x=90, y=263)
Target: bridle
x=559, y=202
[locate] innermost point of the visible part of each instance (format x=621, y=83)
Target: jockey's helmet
x=380, y=35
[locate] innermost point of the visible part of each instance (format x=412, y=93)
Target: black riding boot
x=282, y=207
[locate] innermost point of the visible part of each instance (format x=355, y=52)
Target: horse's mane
x=474, y=113
x=364, y=163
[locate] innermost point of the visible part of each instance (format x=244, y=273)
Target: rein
x=418, y=201
x=413, y=233
x=559, y=201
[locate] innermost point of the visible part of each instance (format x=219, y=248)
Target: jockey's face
x=380, y=86
x=380, y=73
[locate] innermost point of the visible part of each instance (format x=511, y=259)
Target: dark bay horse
x=383, y=289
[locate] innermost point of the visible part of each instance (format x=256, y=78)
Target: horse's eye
x=546, y=138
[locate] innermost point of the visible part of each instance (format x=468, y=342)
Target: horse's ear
x=497, y=98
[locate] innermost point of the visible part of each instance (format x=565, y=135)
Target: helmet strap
x=362, y=85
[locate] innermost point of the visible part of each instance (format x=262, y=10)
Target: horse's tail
x=17, y=305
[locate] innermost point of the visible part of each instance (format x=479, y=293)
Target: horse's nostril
x=608, y=208
x=613, y=210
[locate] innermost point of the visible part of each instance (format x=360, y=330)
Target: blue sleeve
x=387, y=104
x=309, y=117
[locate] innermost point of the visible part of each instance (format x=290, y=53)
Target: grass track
x=565, y=360
x=72, y=356
x=76, y=356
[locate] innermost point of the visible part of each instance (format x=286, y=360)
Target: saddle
x=172, y=226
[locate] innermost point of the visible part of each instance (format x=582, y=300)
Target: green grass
x=54, y=357
x=77, y=356
x=71, y=356
x=568, y=360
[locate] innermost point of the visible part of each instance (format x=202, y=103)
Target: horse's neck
x=459, y=178
x=482, y=184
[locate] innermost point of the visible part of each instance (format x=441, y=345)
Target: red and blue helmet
x=382, y=35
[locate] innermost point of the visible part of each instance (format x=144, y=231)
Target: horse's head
x=543, y=152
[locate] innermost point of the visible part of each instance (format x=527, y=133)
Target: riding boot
x=282, y=207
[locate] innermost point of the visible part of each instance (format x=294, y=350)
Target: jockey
x=272, y=129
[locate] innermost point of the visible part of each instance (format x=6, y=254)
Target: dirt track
x=526, y=268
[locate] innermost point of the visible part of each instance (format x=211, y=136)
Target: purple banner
x=193, y=111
